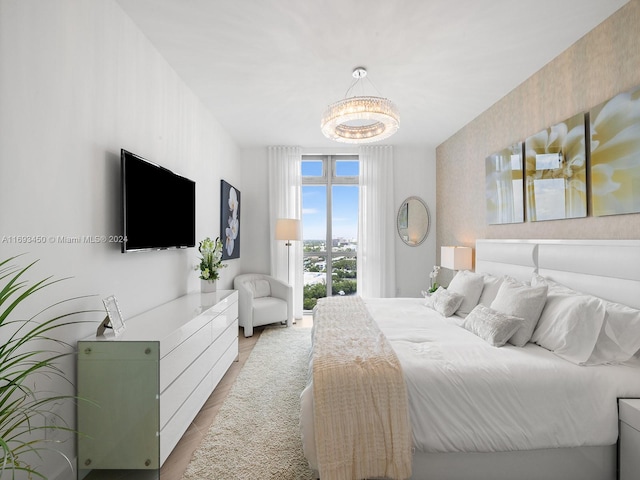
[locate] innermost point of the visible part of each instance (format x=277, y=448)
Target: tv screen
x=159, y=207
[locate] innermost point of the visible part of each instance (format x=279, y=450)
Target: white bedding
x=467, y=396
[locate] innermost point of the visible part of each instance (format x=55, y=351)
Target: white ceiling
x=268, y=68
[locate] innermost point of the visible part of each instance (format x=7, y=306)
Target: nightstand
x=629, y=415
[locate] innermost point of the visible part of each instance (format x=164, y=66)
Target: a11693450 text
x=62, y=239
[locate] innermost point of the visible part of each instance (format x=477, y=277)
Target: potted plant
x=210, y=263
x=28, y=351
x=433, y=279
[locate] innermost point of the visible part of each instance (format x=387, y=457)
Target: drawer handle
x=147, y=351
x=147, y=463
x=87, y=351
x=87, y=462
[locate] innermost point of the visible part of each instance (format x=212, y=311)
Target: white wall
x=256, y=241
x=414, y=175
x=79, y=81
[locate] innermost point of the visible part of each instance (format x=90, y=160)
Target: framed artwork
x=504, y=186
x=229, y=220
x=114, y=317
x=615, y=155
x=556, y=171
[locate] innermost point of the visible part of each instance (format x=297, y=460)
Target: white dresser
x=139, y=391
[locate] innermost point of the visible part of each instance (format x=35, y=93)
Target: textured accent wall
x=600, y=65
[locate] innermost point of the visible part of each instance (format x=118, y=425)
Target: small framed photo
x=114, y=314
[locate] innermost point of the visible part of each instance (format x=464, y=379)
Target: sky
x=314, y=204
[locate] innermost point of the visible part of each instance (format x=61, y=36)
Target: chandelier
x=361, y=119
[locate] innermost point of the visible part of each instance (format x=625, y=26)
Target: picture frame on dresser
x=114, y=319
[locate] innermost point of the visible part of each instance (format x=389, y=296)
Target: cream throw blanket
x=361, y=417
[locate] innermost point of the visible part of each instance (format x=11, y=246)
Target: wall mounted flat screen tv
x=158, y=206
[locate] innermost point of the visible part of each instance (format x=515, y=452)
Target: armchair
x=262, y=300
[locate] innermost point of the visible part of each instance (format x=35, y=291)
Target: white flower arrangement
x=211, y=261
x=433, y=276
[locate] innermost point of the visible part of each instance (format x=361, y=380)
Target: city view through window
x=330, y=226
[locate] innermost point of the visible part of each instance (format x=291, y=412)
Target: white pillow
x=260, y=288
x=521, y=300
x=490, y=289
x=493, y=327
x=538, y=279
x=444, y=302
x=469, y=285
x=619, y=339
x=622, y=324
x=570, y=325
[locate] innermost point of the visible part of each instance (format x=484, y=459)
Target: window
x=330, y=195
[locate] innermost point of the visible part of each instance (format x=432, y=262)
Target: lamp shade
x=456, y=258
x=288, y=229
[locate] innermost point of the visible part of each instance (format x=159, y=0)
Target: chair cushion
x=260, y=288
x=269, y=310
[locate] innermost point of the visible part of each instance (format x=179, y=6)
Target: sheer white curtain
x=376, y=224
x=285, y=201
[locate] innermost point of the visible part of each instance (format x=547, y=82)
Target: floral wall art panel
x=615, y=155
x=229, y=220
x=556, y=173
x=504, y=186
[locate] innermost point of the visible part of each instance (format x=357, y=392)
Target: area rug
x=256, y=433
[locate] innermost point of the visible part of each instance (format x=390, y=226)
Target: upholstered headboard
x=609, y=269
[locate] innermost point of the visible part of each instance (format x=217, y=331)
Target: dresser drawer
x=184, y=355
x=177, y=393
x=178, y=424
x=221, y=323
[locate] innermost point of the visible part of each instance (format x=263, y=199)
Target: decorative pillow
x=493, y=327
x=521, y=300
x=260, y=288
x=570, y=325
x=490, y=289
x=444, y=302
x=469, y=285
x=619, y=339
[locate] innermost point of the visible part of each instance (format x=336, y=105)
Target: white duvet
x=467, y=396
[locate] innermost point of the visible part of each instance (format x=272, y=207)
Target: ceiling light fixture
x=361, y=119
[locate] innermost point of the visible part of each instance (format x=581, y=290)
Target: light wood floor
x=177, y=462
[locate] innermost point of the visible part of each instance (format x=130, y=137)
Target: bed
x=476, y=410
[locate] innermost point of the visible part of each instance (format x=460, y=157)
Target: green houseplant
x=28, y=354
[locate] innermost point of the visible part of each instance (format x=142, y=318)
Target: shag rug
x=256, y=433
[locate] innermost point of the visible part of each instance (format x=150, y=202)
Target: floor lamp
x=288, y=229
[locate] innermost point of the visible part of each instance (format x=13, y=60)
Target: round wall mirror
x=413, y=221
